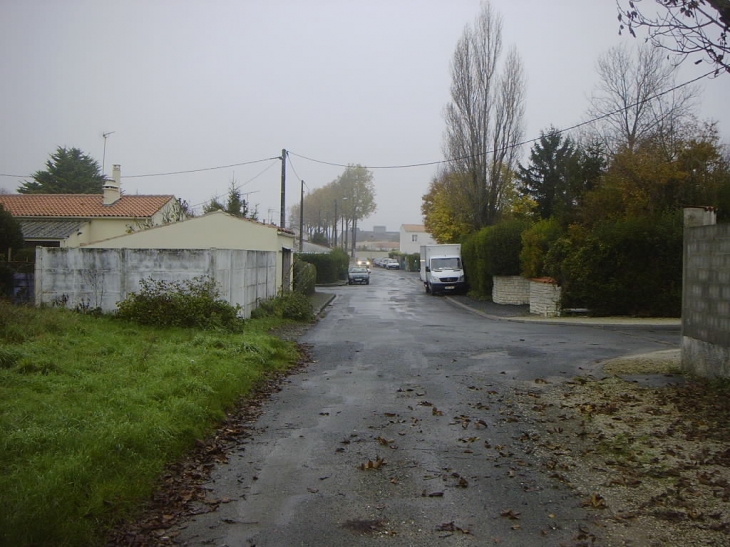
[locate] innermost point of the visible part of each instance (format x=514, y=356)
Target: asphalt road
x=403, y=431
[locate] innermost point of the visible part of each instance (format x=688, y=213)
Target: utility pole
x=301, y=219
x=283, y=188
x=335, y=245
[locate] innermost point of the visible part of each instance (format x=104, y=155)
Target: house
x=216, y=230
x=412, y=236
x=72, y=220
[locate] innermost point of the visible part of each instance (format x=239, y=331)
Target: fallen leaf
x=510, y=514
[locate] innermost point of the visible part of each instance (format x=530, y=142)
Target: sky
x=221, y=87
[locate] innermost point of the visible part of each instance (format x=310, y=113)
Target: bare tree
x=637, y=99
x=484, y=118
x=685, y=27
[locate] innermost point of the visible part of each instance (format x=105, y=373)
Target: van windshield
x=453, y=263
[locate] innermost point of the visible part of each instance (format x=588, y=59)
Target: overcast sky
x=189, y=85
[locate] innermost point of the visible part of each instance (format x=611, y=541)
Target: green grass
x=92, y=408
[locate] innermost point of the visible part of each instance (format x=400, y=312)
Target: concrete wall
x=513, y=289
x=217, y=230
x=544, y=297
x=706, y=296
x=103, y=277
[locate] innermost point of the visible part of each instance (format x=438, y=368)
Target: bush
x=192, y=303
x=331, y=266
x=494, y=250
x=629, y=266
x=473, y=254
x=536, y=243
x=293, y=305
x=503, y=247
x=305, y=276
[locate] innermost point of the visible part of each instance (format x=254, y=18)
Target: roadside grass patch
x=93, y=408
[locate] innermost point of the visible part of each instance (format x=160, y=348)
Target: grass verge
x=93, y=408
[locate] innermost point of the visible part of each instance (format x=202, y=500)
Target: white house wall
x=103, y=277
x=408, y=246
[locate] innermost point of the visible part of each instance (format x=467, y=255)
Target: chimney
x=112, y=187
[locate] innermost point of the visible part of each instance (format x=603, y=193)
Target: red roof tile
x=81, y=205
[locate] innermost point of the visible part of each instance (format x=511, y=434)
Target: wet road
x=403, y=431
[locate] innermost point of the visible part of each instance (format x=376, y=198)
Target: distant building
x=412, y=236
x=379, y=229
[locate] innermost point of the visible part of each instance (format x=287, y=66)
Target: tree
x=11, y=235
x=644, y=182
x=558, y=175
x=484, y=118
x=635, y=99
x=684, y=27
x=358, y=196
x=235, y=204
x=549, y=179
x=68, y=171
x=444, y=209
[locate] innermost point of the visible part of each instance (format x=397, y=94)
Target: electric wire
x=411, y=165
x=521, y=143
x=199, y=170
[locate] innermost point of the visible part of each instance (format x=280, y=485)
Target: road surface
x=403, y=431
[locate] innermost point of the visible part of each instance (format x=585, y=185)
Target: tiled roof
x=48, y=229
x=81, y=205
x=414, y=227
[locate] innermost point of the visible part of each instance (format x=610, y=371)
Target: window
x=414, y=237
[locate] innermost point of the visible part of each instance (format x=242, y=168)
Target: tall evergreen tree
x=550, y=177
x=68, y=171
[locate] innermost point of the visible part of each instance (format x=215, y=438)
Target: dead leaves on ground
x=370, y=464
x=659, y=455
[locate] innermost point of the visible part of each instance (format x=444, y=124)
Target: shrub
x=536, y=242
x=330, y=266
x=305, y=276
x=293, y=305
x=473, y=254
x=191, y=303
x=629, y=266
x=503, y=247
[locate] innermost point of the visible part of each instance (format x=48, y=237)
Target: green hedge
x=331, y=266
x=305, y=276
x=536, y=243
x=630, y=266
x=494, y=250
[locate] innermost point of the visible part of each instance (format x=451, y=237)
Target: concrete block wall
x=102, y=277
x=513, y=289
x=706, y=297
x=544, y=297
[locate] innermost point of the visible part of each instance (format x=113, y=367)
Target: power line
x=411, y=165
x=238, y=187
x=199, y=170
x=529, y=141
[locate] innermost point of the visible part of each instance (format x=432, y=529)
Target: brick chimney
x=112, y=187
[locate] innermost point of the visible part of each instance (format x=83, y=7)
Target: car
x=392, y=264
x=364, y=262
x=358, y=275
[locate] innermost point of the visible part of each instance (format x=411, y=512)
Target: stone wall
x=513, y=289
x=544, y=297
x=706, y=295
x=99, y=278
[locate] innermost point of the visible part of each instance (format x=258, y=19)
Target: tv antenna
x=103, y=157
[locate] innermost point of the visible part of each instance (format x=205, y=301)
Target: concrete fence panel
x=99, y=278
